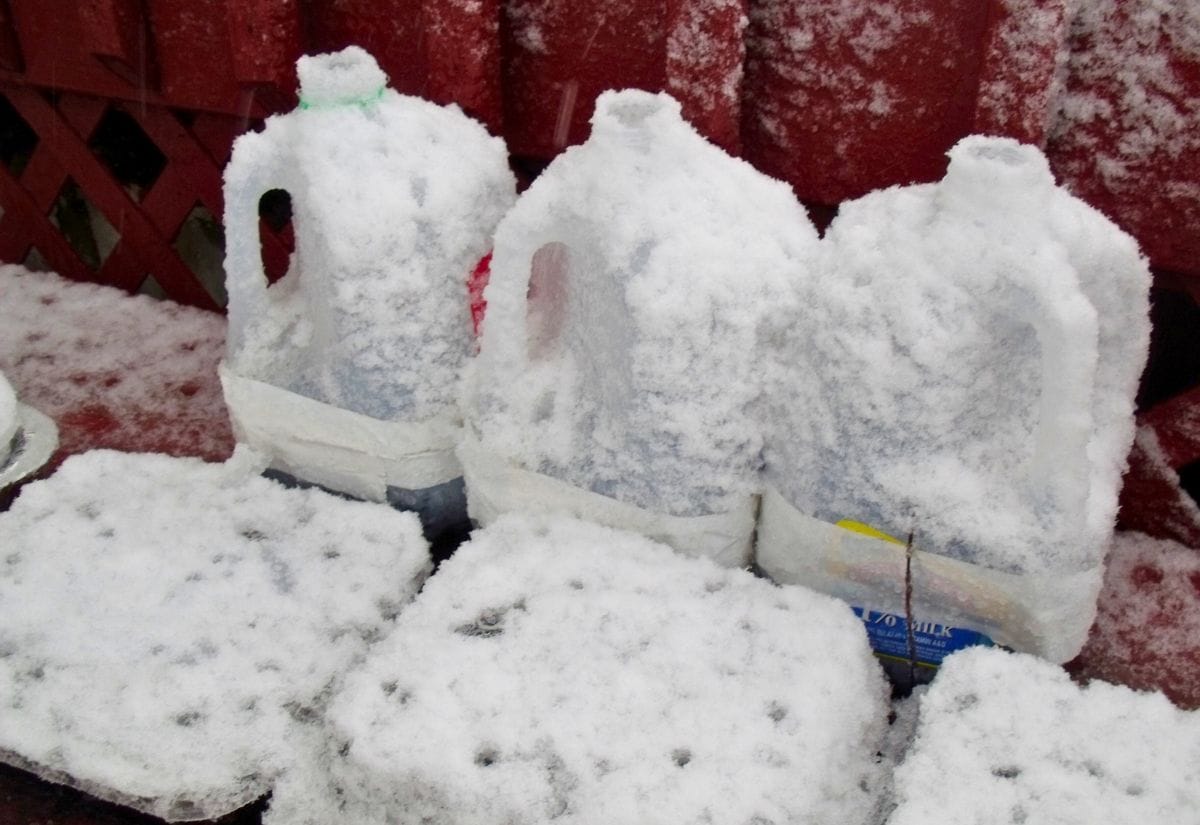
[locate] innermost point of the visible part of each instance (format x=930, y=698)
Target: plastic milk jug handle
x=247, y=280
x=1066, y=330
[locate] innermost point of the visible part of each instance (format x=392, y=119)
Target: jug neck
x=989, y=175
x=350, y=77
x=634, y=118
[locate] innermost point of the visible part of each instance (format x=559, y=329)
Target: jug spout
x=347, y=78
x=999, y=174
x=632, y=116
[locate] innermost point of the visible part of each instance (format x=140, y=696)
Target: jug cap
x=350, y=77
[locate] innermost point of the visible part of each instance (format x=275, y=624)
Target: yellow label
x=867, y=530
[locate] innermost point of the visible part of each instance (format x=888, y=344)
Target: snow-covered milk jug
x=948, y=451
x=345, y=372
x=632, y=289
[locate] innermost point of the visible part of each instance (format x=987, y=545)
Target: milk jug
x=948, y=452
x=632, y=290
x=345, y=372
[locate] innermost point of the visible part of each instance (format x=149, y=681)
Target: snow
x=557, y=670
x=169, y=628
x=114, y=370
x=8, y=419
x=635, y=288
x=705, y=53
x=1006, y=737
x=394, y=202
x=949, y=376
x=1147, y=633
x=1023, y=68
x=1124, y=83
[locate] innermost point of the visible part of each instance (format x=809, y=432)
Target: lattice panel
x=118, y=193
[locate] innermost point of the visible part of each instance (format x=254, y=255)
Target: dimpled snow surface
x=554, y=670
x=633, y=287
x=966, y=367
x=394, y=202
x=1005, y=737
x=168, y=627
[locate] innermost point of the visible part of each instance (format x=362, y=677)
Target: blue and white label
x=934, y=641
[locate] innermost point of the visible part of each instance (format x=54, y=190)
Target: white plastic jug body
x=964, y=393
x=394, y=201
x=630, y=287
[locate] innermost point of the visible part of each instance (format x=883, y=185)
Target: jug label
x=932, y=641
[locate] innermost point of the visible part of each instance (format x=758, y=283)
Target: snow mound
x=1006, y=737
x=557, y=670
x=634, y=289
x=165, y=623
x=394, y=202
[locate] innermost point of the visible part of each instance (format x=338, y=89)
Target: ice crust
x=965, y=367
x=658, y=270
x=1007, y=737
x=394, y=202
x=112, y=369
x=557, y=670
x=8, y=418
x=168, y=628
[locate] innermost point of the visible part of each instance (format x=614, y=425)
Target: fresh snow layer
x=394, y=202
x=1006, y=737
x=556, y=670
x=965, y=366
x=114, y=370
x=634, y=289
x=8, y=419
x=1147, y=632
x=166, y=625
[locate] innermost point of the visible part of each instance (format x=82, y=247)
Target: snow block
x=169, y=629
x=1004, y=737
x=558, y=671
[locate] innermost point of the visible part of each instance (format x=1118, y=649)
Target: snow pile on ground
x=965, y=367
x=8, y=418
x=556, y=670
x=394, y=202
x=634, y=288
x=166, y=624
x=114, y=370
x=1147, y=632
x=1006, y=737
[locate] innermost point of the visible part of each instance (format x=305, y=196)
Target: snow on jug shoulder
x=964, y=371
x=346, y=371
x=558, y=671
x=1005, y=737
x=633, y=288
